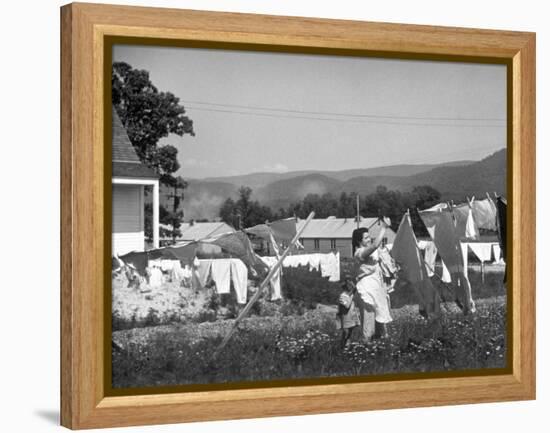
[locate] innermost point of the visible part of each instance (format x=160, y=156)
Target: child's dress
x=348, y=316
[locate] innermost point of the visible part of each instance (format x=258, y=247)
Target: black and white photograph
x=281, y=217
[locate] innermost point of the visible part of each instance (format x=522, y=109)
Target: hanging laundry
x=203, y=273
x=497, y=254
x=155, y=277
x=221, y=275
x=445, y=274
x=465, y=226
x=443, y=226
x=185, y=252
x=239, y=278
x=430, y=254
x=330, y=266
x=408, y=257
x=464, y=248
x=485, y=214
x=275, y=282
x=284, y=230
x=482, y=250
x=502, y=206
x=139, y=260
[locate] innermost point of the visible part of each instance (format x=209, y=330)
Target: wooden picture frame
x=85, y=28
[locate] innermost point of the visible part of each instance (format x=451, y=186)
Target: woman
x=373, y=298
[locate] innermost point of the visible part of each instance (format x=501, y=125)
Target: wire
x=328, y=113
x=344, y=120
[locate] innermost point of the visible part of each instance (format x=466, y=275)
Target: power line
x=332, y=119
x=328, y=113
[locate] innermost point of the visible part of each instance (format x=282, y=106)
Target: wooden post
x=262, y=286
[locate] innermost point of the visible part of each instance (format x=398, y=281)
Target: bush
x=309, y=288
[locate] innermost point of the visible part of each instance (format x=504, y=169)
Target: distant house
x=129, y=178
x=194, y=231
x=334, y=234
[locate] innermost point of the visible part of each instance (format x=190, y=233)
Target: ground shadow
x=50, y=415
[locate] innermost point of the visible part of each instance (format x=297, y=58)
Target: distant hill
x=454, y=180
x=283, y=192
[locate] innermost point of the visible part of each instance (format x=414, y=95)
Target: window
x=333, y=244
x=316, y=244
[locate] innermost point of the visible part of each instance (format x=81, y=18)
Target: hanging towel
x=239, y=277
x=221, y=275
x=412, y=268
x=482, y=250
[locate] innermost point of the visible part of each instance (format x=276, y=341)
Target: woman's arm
x=367, y=251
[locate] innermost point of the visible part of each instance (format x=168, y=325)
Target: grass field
x=301, y=341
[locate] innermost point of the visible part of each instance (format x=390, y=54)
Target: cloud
x=277, y=168
x=192, y=162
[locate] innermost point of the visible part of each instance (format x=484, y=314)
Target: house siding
x=343, y=245
x=127, y=220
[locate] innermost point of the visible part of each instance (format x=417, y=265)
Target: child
x=348, y=315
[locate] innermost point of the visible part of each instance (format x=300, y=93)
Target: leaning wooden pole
x=262, y=286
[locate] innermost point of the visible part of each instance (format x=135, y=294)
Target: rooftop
x=333, y=227
x=126, y=162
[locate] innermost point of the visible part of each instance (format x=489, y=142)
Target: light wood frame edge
x=83, y=404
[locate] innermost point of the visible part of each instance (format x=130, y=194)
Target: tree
x=244, y=212
x=149, y=115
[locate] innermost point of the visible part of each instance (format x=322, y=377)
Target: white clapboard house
x=129, y=178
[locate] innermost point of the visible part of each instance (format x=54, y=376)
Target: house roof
x=126, y=162
x=337, y=228
x=197, y=231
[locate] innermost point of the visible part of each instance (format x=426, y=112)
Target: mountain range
x=454, y=180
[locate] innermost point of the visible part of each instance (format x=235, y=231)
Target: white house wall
x=128, y=220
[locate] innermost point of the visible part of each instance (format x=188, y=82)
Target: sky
x=278, y=112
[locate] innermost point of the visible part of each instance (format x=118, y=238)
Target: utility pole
x=177, y=198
